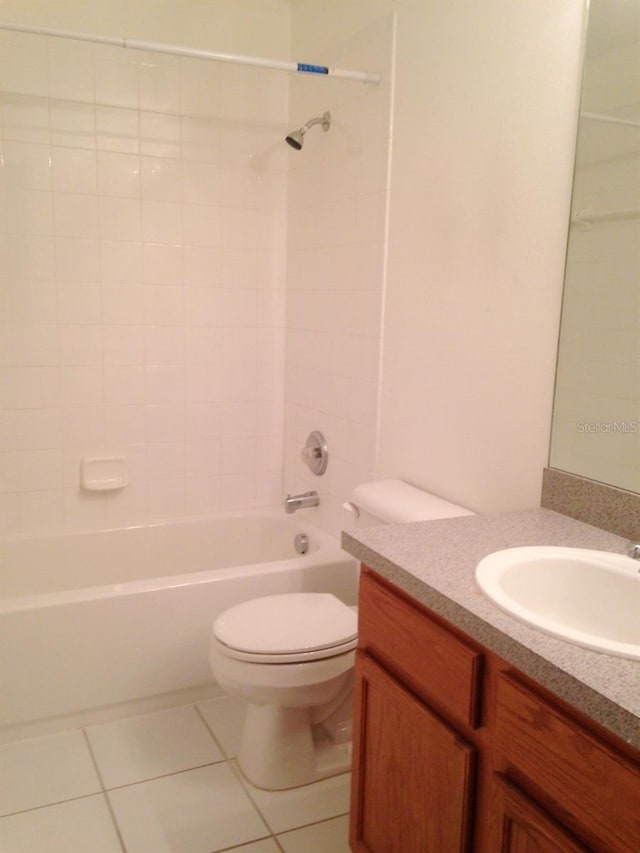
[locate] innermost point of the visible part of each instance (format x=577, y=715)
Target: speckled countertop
x=434, y=562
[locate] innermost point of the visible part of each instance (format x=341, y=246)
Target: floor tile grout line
x=313, y=823
x=211, y=732
x=106, y=790
x=55, y=803
x=105, y=794
x=226, y=761
x=246, y=843
x=229, y=760
x=233, y=761
x=94, y=760
x=165, y=775
x=244, y=782
x=199, y=715
x=272, y=835
x=115, y=821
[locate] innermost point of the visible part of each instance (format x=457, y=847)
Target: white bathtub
x=92, y=619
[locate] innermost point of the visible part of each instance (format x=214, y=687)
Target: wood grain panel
x=520, y=826
x=432, y=660
x=413, y=775
x=580, y=775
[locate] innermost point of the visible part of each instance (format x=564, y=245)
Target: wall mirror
x=596, y=420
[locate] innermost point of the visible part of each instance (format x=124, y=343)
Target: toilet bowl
x=292, y=656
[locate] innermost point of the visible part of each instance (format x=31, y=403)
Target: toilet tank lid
x=288, y=623
x=396, y=502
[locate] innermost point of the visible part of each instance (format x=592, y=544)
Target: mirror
x=596, y=419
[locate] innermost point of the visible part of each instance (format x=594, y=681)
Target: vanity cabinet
x=521, y=826
x=457, y=752
x=403, y=739
x=578, y=775
x=415, y=768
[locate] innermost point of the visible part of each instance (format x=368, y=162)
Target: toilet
x=291, y=657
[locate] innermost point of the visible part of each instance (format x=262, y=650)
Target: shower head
x=296, y=138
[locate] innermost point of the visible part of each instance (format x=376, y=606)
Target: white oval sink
x=591, y=598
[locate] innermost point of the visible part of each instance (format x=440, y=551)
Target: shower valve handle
x=310, y=454
x=315, y=453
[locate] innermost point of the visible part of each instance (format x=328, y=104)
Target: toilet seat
x=288, y=628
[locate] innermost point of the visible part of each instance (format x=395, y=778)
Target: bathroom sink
x=591, y=598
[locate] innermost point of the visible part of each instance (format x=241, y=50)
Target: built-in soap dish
x=104, y=473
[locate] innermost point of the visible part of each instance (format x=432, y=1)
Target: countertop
x=434, y=562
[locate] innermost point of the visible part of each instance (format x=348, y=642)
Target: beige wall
x=483, y=135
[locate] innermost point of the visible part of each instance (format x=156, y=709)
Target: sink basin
x=591, y=598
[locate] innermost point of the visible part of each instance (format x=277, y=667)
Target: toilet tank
x=396, y=502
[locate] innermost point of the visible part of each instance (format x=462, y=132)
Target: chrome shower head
x=296, y=138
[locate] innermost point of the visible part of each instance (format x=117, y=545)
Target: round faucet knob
x=633, y=550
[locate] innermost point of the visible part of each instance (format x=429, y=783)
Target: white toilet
x=291, y=656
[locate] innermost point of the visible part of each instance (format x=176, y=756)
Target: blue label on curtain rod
x=312, y=69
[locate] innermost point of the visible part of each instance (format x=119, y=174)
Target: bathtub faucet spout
x=294, y=502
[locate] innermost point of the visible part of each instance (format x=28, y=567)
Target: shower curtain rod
x=136, y=44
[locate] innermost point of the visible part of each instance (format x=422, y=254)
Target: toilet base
x=280, y=748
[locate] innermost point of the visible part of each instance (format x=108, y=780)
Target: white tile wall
x=336, y=233
x=141, y=298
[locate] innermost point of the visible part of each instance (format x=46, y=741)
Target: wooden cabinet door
x=520, y=826
x=587, y=783
x=413, y=778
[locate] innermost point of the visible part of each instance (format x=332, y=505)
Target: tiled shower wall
x=142, y=292
x=338, y=191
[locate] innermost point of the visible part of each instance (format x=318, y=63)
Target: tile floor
x=160, y=783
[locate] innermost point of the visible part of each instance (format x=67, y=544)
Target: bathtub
x=91, y=619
